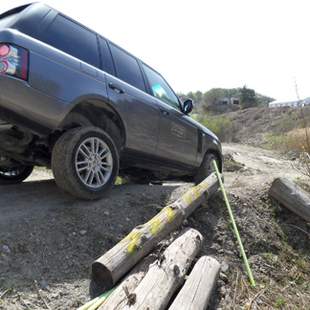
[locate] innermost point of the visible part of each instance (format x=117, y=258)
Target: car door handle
x=164, y=112
x=116, y=88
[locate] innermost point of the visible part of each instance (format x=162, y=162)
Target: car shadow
x=50, y=237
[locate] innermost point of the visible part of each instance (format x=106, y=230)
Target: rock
x=223, y=291
x=221, y=283
x=44, y=285
x=215, y=246
x=223, y=277
x=6, y=249
x=228, y=300
x=55, y=295
x=229, y=252
x=83, y=232
x=224, y=266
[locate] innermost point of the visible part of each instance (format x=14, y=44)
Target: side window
x=106, y=58
x=160, y=88
x=7, y=21
x=73, y=39
x=8, y=18
x=127, y=68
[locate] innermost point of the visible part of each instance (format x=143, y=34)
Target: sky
x=202, y=44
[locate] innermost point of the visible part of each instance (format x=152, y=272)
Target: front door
x=178, y=137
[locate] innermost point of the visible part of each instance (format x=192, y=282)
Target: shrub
x=289, y=121
x=222, y=126
x=305, y=163
x=296, y=140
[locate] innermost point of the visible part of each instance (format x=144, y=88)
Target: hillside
x=256, y=126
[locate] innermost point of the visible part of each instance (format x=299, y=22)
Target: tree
x=210, y=101
x=248, y=97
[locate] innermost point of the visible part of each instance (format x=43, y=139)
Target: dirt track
x=48, y=239
x=258, y=167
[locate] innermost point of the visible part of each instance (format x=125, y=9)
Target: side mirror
x=188, y=106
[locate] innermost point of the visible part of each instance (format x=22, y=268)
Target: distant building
x=281, y=104
x=306, y=101
x=229, y=101
x=293, y=104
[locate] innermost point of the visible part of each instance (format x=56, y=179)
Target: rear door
x=129, y=88
x=178, y=137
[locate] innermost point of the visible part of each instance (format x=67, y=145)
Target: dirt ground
x=48, y=239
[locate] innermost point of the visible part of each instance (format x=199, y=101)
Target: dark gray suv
x=74, y=101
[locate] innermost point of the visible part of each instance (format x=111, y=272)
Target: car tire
x=206, y=167
x=16, y=175
x=85, y=162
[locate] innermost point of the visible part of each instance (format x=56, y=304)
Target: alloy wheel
x=93, y=162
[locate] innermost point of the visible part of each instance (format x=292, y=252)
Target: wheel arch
x=96, y=111
x=218, y=155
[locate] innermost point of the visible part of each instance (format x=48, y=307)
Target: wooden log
x=122, y=293
x=115, y=263
x=291, y=196
x=197, y=290
x=166, y=275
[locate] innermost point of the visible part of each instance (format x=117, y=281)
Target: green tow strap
x=96, y=302
x=245, y=259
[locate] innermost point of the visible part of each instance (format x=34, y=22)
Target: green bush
x=275, y=141
x=222, y=126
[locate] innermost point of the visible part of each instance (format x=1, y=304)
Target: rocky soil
x=48, y=240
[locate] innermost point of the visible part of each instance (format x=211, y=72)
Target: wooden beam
x=115, y=263
x=197, y=290
x=123, y=293
x=291, y=196
x=165, y=276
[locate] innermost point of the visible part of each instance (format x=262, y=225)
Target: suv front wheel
x=206, y=167
x=85, y=162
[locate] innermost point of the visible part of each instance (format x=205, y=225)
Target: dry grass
x=305, y=163
x=286, y=287
x=269, y=295
x=305, y=154
x=297, y=141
